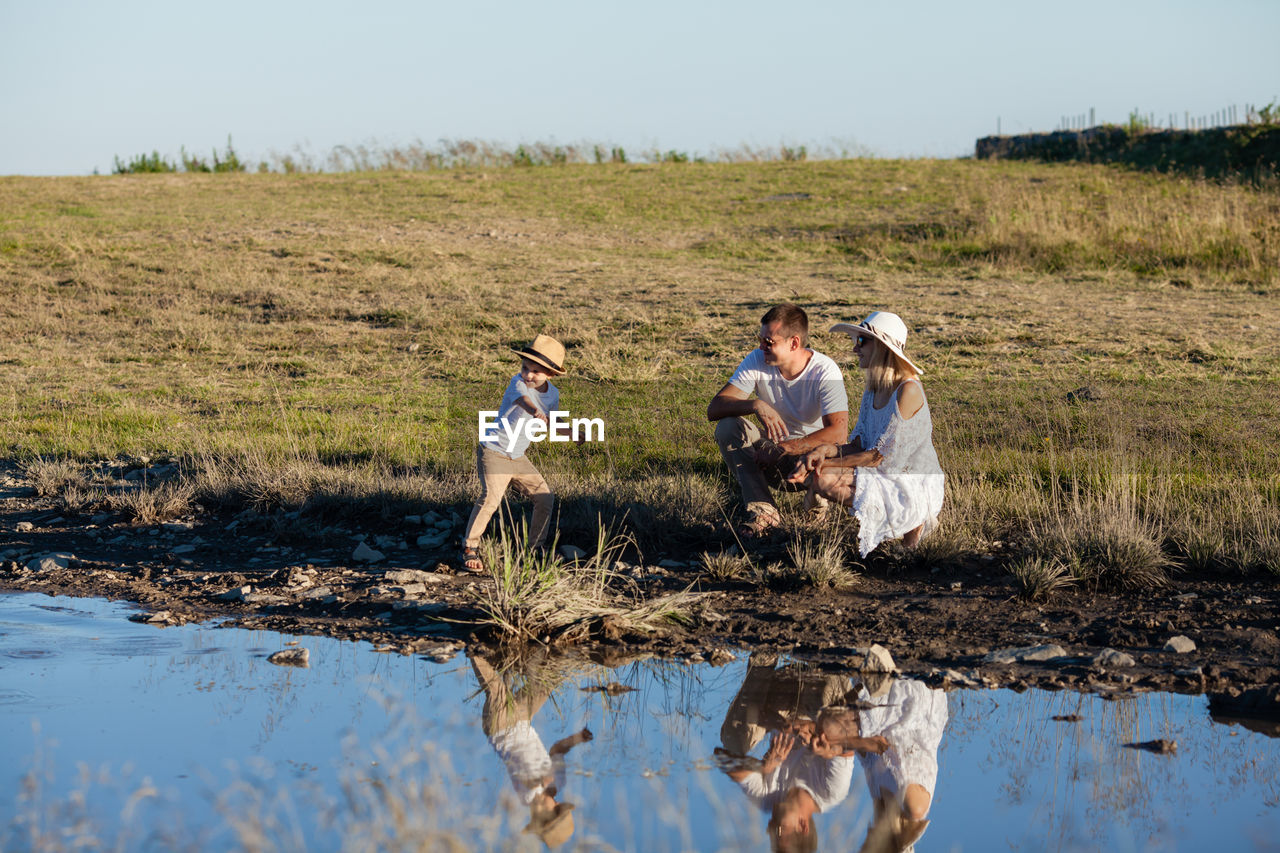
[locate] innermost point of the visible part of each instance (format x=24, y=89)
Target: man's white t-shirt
x=802, y=402
x=826, y=779
x=512, y=417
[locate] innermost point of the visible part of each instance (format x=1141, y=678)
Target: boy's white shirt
x=511, y=439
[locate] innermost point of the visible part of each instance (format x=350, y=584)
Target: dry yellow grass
x=346, y=328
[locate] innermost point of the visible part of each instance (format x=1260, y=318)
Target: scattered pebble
x=364, y=554
x=1113, y=658
x=1160, y=746
x=1180, y=645
x=1026, y=654
x=298, y=656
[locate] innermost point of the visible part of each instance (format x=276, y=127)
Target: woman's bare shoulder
x=910, y=398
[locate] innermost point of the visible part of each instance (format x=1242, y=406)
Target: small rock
x=440, y=654
x=960, y=678
x=410, y=576
x=184, y=549
x=50, y=562
x=364, y=554
x=291, y=657
x=956, y=586
x=1161, y=746
x=24, y=527
x=263, y=598
x=413, y=519
x=671, y=564
x=572, y=552
x=1026, y=654
x=1180, y=645
x=1193, y=672
x=1113, y=658
x=161, y=618
x=236, y=594
x=720, y=657
x=696, y=657
x=410, y=589
x=318, y=592
x=432, y=540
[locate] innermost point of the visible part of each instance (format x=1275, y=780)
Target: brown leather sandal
x=759, y=526
x=470, y=559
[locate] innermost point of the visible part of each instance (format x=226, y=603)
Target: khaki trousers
x=738, y=438
x=496, y=473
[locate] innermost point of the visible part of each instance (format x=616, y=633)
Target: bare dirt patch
x=955, y=626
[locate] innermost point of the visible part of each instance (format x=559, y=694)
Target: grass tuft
x=724, y=566
x=52, y=477
x=538, y=597
x=1039, y=578
x=154, y=504
x=820, y=562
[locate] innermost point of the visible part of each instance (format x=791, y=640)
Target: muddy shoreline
x=950, y=628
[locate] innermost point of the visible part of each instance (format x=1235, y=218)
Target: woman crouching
x=888, y=473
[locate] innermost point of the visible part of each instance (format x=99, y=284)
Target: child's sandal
x=471, y=561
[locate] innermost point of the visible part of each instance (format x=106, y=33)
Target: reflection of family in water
x=821, y=726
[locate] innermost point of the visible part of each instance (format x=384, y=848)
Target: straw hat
x=546, y=351
x=887, y=328
x=557, y=828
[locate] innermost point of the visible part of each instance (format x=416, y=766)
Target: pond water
x=126, y=736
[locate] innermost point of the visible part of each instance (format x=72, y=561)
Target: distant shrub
x=228, y=161
x=143, y=164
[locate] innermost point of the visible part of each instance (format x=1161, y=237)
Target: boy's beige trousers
x=496, y=473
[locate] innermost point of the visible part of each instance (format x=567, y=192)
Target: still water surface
x=116, y=733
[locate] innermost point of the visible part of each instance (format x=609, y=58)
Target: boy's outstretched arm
x=525, y=403
x=565, y=744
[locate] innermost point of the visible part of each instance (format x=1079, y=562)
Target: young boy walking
x=501, y=461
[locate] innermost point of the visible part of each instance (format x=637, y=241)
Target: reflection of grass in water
x=392, y=798
x=1080, y=781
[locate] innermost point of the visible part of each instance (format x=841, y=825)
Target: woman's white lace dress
x=905, y=489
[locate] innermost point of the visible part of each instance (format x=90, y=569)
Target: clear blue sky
x=83, y=81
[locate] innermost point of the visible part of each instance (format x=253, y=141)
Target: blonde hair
x=886, y=371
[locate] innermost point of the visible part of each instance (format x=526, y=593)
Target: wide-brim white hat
x=887, y=328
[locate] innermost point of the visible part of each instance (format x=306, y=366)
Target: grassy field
x=325, y=340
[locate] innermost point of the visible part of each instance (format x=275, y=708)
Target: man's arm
x=835, y=428
x=731, y=402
